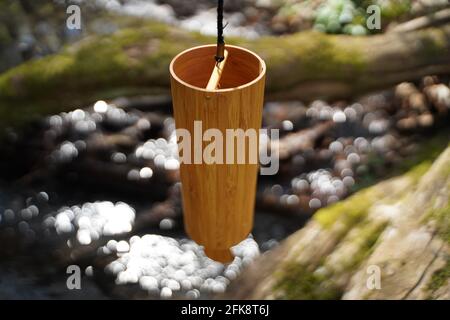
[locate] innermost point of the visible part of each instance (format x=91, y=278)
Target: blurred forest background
x=88, y=158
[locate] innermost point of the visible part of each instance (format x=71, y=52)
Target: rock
x=399, y=227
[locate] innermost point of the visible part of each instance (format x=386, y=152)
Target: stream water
x=98, y=187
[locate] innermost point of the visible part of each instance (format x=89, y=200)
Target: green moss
x=394, y=9
x=439, y=278
x=318, y=56
x=96, y=65
x=350, y=210
x=442, y=218
x=440, y=213
x=366, y=237
x=432, y=43
x=298, y=283
x=106, y=57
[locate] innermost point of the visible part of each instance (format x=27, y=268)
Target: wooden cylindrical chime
x=218, y=199
x=219, y=90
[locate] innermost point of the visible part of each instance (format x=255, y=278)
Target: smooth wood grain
x=218, y=199
x=214, y=80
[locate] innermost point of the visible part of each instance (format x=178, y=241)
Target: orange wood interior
x=195, y=67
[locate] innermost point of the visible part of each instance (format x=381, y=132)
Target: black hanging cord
x=220, y=40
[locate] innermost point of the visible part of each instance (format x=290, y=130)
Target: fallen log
x=427, y=20
x=302, y=66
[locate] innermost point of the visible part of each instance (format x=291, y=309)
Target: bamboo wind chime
x=223, y=87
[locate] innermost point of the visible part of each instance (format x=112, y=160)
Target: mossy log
x=302, y=66
x=399, y=227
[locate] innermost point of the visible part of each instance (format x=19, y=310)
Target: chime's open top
x=194, y=68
